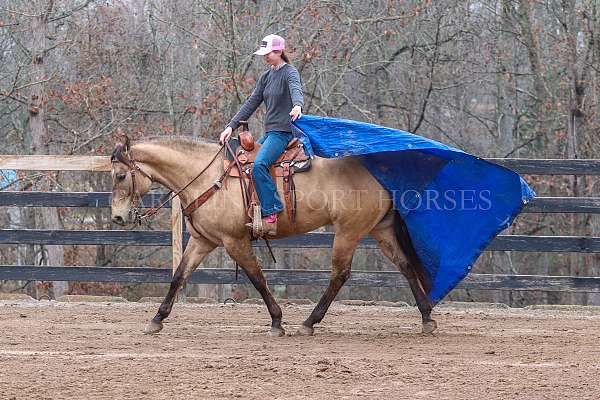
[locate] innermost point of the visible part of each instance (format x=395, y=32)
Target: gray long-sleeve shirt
x=280, y=90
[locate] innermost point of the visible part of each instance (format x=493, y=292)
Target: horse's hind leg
x=195, y=251
x=241, y=251
x=385, y=237
x=343, y=251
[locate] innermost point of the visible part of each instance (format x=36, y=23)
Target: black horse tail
x=405, y=242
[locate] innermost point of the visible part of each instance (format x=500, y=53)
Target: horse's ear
x=116, y=154
x=126, y=143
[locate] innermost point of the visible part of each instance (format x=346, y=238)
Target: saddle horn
x=246, y=139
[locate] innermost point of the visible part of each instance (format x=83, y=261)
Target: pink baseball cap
x=270, y=43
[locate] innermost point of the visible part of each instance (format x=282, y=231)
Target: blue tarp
x=452, y=202
x=8, y=178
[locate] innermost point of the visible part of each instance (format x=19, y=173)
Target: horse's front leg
x=195, y=251
x=241, y=251
x=342, y=253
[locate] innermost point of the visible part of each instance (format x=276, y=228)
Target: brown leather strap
x=252, y=195
x=243, y=186
x=200, y=200
x=293, y=196
x=187, y=211
x=287, y=174
x=289, y=191
x=154, y=210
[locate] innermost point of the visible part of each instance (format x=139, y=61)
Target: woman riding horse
x=280, y=89
x=338, y=192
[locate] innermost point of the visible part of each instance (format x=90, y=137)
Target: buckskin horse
x=337, y=192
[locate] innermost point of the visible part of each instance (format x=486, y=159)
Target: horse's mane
x=178, y=142
x=178, y=139
x=182, y=143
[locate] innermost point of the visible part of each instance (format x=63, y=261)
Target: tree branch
x=68, y=13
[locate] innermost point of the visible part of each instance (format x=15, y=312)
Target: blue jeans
x=272, y=146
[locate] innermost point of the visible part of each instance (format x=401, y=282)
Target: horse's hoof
x=305, y=331
x=276, y=332
x=153, y=328
x=429, y=327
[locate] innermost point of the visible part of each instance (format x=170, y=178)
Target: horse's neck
x=174, y=168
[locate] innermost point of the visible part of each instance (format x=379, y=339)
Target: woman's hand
x=296, y=113
x=225, y=135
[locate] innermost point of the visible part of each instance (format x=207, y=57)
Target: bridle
x=136, y=199
x=189, y=209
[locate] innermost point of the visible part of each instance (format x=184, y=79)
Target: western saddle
x=293, y=160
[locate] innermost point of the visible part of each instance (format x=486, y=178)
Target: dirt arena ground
x=51, y=350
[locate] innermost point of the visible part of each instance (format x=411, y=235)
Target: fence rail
x=294, y=277
x=582, y=205
x=576, y=244
x=530, y=166
x=177, y=238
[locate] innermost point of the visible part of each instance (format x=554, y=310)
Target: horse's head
x=129, y=184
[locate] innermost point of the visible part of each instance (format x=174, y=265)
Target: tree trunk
x=506, y=121
x=594, y=298
x=532, y=43
x=50, y=255
x=505, y=98
x=576, y=92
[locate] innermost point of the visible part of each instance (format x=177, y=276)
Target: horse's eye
x=121, y=177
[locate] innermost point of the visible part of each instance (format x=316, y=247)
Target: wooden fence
x=177, y=238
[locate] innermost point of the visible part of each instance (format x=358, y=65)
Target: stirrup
x=263, y=232
x=256, y=226
x=257, y=223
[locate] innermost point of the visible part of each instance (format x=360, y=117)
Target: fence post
x=177, y=232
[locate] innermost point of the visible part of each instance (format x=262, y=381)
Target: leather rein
x=137, y=199
x=190, y=208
